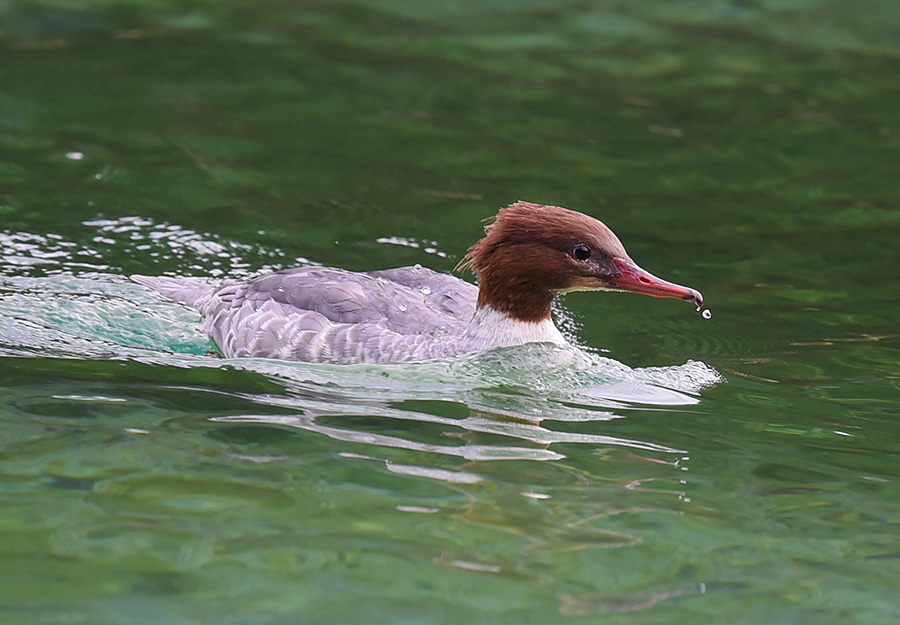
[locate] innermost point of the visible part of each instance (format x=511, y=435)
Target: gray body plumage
x=321, y=314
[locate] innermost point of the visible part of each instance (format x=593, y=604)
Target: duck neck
x=522, y=296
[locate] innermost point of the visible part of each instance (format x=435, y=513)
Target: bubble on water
x=706, y=314
x=402, y=307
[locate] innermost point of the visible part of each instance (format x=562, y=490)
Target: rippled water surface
x=670, y=469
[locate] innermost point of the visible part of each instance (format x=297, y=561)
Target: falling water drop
x=706, y=314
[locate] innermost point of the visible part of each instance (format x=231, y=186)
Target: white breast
x=490, y=328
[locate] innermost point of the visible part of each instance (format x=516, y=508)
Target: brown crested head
x=531, y=252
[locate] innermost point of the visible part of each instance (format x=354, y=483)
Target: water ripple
x=61, y=299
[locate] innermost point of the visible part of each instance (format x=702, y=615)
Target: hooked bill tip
x=696, y=297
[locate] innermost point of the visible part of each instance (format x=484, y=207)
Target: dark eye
x=581, y=252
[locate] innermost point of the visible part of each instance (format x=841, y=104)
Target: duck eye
x=581, y=252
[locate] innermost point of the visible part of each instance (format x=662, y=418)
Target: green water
x=742, y=469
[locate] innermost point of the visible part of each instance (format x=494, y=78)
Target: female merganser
x=530, y=254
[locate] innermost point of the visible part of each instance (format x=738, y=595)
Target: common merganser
x=530, y=254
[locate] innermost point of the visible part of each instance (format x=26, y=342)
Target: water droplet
x=74, y=156
x=402, y=307
x=706, y=314
x=417, y=266
x=426, y=290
